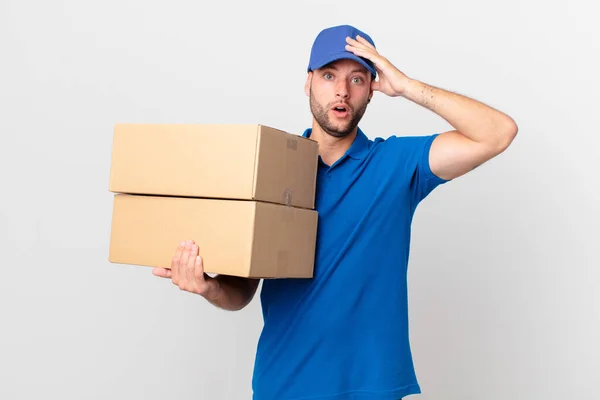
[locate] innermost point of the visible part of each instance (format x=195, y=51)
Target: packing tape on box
x=287, y=197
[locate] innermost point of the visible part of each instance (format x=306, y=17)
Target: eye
x=357, y=80
x=328, y=76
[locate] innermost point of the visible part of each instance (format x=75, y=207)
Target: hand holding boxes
x=244, y=193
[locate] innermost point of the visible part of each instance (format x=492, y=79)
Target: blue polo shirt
x=343, y=334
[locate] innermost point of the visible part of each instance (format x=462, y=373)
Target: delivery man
x=343, y=334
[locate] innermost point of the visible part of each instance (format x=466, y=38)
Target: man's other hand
x=187, y=271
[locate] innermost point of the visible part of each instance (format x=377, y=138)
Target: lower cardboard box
x=244, y=238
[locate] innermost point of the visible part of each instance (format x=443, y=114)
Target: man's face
x=339, y=94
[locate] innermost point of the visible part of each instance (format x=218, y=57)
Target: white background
x=504, y=272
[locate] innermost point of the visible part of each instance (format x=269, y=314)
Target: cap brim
x=341, y=56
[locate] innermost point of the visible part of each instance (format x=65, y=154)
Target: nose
x=341, y=89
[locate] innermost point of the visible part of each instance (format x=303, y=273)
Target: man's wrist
x=411, y=88
x=420, y=93
x=215, y=292
x=407, y=87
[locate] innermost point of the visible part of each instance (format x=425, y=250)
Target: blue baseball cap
x=330, y=45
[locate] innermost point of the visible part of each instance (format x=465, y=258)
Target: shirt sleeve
x=424, y=181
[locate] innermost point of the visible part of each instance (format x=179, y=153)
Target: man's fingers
x=190, y=265
x=182, y=280
x=199, y=270
x=187, y=271
x=161, y=272
x=364, y=41
x=179, y=251
x=364, y=49
x=360, y=44
x=361, y=52
x=185, y=257
x=175, y=262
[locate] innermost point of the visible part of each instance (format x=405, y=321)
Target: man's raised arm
x=480, y=132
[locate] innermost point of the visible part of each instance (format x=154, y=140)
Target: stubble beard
x=321, y=115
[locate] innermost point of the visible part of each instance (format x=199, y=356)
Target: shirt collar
x=359, y=148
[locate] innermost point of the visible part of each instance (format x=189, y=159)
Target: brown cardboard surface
x=246, y=162
x=235, y=237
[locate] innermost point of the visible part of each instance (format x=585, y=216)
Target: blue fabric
x=343, y=334
x=330, y=45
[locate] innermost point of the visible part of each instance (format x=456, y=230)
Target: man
x=344, y=333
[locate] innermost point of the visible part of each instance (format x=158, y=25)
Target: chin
x=340, y=132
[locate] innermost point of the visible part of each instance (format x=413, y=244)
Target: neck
x=331, y=148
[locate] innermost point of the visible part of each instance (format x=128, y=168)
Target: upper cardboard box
x=252, y=162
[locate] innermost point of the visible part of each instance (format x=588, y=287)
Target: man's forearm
x=473, y=119
x=234, y=292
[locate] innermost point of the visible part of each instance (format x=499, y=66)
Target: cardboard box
x=251, y=162
x=235, y=237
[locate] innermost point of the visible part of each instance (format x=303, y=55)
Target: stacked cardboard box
x=244, y=193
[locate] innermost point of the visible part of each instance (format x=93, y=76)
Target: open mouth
x=340, y=110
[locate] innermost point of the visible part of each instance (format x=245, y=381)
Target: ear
x=307, y=84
